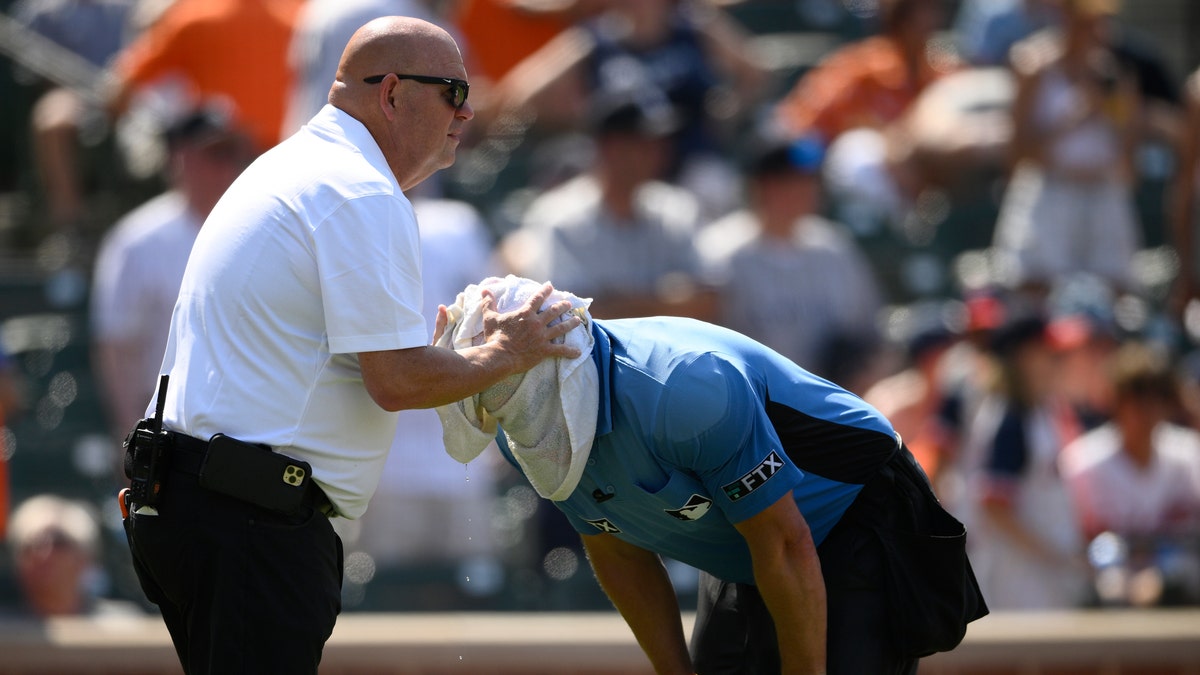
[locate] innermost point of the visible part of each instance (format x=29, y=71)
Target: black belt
x=187, y=456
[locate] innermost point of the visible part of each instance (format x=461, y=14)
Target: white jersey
x=1113, y=493
x=311, y=257
x=138, y=271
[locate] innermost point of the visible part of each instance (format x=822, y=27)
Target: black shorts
x=734, y=633
x=897, y=580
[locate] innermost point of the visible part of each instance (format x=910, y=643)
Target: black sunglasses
x=456, y=95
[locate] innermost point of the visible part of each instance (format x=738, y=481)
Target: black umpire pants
x=735, y=635
x=242, y=589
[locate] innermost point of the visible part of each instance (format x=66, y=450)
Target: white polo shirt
x=311, y=257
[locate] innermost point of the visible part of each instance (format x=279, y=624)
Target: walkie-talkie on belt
x=145, y=459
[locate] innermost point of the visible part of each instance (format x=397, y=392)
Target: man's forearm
x=793, y=589
x=787, y=572
x=426, y=377
x=429, y=376
x=637, y=584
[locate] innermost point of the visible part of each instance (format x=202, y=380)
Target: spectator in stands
x=1135, y=482
x=918, y=399
x=1068, y=207
x=790, y=278
x=1139, y=474
x=236, y=49
x=871, y=82
x=501, y=33
x=92, y=31
x=690, y=50
x=971, y=377
x=955, y=134
x=141, y=260
x=1083, y=327
x=54, y=543
x=618, y=233
x=860, y=101
x=1026, y=547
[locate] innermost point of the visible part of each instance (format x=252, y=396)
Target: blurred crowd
x=939, y=205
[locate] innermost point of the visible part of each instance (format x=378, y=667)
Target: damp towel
x=548, y=414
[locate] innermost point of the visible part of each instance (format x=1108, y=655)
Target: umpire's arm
x=637, y=583
x=787, y=572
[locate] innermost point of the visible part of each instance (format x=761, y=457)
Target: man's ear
x=387, y=96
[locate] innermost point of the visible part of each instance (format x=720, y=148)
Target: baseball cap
x=630, y=113
x=1019, y=330
x=774, y=154
x=201, y=123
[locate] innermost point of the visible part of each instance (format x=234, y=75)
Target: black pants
x=241, y=589
x=734, y=633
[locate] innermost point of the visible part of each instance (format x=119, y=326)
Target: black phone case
x=255, y=474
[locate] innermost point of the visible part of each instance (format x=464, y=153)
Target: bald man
x=297, y=336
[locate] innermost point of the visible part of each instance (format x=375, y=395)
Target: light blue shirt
x=700, y=427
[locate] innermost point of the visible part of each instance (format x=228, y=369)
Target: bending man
x=810, y=522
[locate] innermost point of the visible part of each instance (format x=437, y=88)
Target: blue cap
x=786, y=155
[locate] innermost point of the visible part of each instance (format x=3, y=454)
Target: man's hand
x=429, y=376
x=526, y=334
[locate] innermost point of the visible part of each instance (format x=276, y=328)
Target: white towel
x=548, y=414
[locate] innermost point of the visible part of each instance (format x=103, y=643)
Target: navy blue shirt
x=700, y=427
